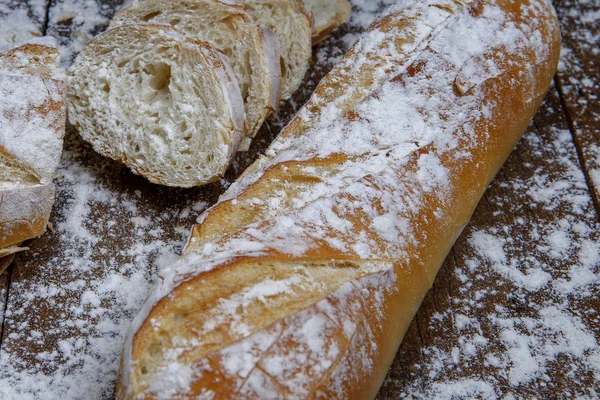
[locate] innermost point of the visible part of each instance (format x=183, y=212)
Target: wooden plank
x=579, y=79
x=514, y=310
x=4, y=286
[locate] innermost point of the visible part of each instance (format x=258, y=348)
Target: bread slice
x=32, y=126
x=7, y=252
x=293, y=28
x=252, y=51
x=166, y=105
x=326, y=15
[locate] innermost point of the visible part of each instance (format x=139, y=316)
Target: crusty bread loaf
x=166, y=105
x=32, y=126
x=293, y=28
x=252, y=51
x=356, y=214
x=326, y=16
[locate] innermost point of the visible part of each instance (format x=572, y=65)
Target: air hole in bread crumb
x=148, y=17
x=283, y=69
x=104, y=50
x=229, y=23
x=174, y=21
x=159, y=132
x=162, y=76
x=154, y=349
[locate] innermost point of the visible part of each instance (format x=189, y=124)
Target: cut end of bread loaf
x=37, y=56
x=250, y=49
x=166, y=105
x=24, y=213
x=281, y=303
x=32, y=126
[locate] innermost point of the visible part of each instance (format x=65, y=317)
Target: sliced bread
x=166, y=105
x=252, y=51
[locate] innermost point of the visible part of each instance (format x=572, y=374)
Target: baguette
x=168, y=106
x=32, y=127
x=312, y=298
x=252, y=51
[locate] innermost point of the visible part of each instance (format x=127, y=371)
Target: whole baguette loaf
x=333, y=239
x=32, y=126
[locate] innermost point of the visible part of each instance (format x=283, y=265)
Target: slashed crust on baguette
x=253, y=52
x=311, y=299
x=392, y=42
x=164, y=104
x=32, y=126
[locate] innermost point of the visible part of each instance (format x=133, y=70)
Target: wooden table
x=513, y=311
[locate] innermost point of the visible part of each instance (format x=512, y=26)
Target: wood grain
x=579, y=81
x=52, y=285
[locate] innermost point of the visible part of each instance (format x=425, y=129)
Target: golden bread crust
x=331, y=243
